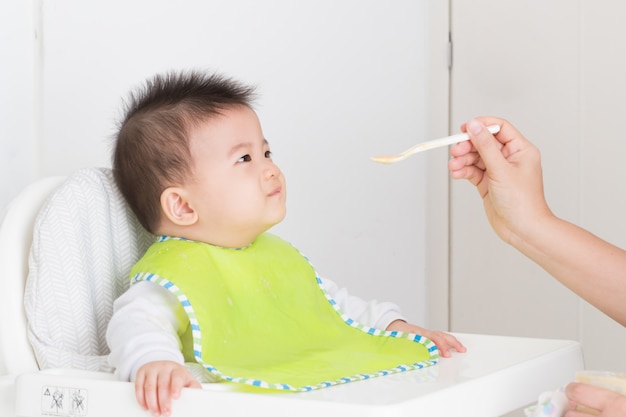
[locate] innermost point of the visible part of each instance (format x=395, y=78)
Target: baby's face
x=236, y=188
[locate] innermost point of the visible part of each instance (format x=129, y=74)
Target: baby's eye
x=245, y=158
x=268, y=154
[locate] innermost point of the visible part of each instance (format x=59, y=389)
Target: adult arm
x=506, y=170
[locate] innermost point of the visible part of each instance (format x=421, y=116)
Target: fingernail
x=474, y=126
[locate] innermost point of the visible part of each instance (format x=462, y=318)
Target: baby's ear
x=176, y=207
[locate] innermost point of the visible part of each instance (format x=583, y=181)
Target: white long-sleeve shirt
x=148, y=321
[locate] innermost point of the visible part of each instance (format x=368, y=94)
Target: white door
x=556, y=70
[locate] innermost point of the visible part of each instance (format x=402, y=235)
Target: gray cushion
x=85, y=241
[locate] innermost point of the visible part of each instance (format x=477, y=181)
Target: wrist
x=531, y=231
x=397, y=324
x=539, y=239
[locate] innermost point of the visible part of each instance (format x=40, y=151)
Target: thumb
x=487, y=146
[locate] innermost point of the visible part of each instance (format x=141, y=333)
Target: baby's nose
x=271, y=170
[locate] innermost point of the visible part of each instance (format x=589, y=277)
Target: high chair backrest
x=85, y=239
x=16, y=236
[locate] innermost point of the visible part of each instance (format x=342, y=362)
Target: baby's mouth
x=276, y=191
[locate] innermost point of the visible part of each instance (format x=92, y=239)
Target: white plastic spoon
x=431, y=144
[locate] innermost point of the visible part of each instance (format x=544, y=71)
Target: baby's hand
x=157, y=383
x=444, y=341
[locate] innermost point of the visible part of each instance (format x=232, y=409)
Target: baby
x=193, y=164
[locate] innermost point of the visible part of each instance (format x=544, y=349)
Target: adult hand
x=506, y=170
x=589, y=400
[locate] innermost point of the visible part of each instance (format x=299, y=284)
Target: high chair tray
x=497, y=375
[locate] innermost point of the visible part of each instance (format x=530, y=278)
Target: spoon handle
x=448, y=140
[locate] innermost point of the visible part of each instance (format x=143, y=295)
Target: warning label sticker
x=63, y=401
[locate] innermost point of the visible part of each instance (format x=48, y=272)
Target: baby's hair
x=152, y=143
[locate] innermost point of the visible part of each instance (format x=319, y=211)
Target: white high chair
x=82, y=240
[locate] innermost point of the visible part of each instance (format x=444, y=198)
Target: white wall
x=338, y=81
x=18, y=112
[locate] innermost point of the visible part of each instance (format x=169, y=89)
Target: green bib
x=260, y=316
